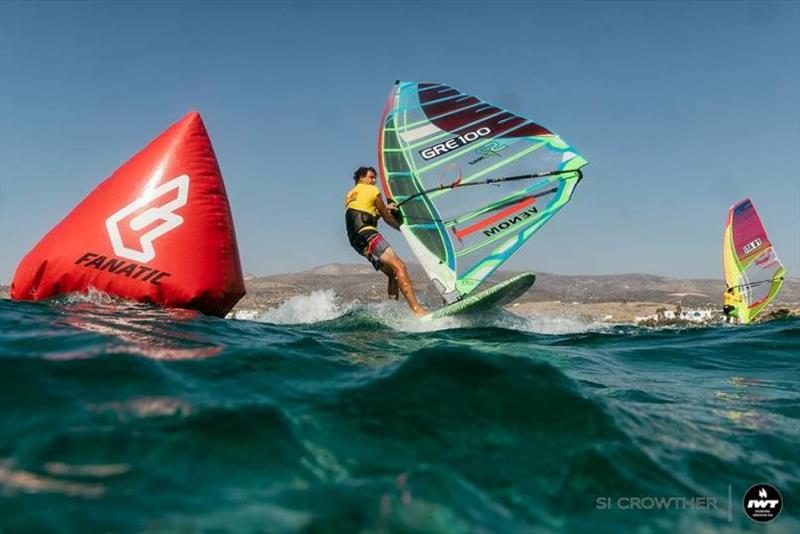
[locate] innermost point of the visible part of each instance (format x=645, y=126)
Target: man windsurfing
x=364, y=206
x=731, y=299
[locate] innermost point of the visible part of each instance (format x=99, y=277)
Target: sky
x=681, y=109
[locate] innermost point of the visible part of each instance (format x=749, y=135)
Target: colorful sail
x=435, y=143
x=749, y=260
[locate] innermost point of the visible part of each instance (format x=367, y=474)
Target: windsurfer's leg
x=403, y=281
x=391, y=288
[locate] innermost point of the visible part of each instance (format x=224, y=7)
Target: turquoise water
x=337, y=417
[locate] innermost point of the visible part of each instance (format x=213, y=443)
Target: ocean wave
x=359, y=421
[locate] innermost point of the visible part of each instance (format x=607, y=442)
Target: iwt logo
x=147, y=218
x=762, y=503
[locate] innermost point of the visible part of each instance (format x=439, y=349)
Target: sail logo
x=505, y=225
x=751, y=246
x=453, y=143
x=161, y=214
x=762, y=503
x=768, y=259
x=492, y=148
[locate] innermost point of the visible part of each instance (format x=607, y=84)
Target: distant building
x=695, y=316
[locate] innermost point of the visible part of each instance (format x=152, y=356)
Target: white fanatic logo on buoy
x=165, y=213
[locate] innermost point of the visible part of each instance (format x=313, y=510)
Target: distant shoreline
x=608, y=298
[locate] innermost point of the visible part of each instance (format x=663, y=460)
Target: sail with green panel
x=473, y=181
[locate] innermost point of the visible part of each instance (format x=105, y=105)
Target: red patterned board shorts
x=376, y=246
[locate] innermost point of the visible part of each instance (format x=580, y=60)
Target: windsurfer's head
x=365, y=175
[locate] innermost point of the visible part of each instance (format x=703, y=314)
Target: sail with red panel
x=474, y=181
x=749, y=260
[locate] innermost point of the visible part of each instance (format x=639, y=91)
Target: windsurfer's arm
x=386, y=213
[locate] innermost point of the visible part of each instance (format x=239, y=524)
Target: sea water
x=332, y=416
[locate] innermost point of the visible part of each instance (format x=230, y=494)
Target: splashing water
x=317, y=307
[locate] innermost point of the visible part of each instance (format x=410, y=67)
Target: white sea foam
x=539, y=324
x=244, y=315
x=325, y=305
x=559, y=324
x=317, y=307
x=91, y=296
x=397, y=316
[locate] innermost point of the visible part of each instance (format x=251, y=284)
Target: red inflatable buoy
x=158, y=230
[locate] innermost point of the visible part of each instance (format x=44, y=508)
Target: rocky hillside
x=360, y=281
x=357, y=281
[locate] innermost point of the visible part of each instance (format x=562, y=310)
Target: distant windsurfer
x=364, y=206
x=731, y=299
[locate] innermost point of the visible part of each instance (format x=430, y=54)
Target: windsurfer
x=364, y=206
x=731, y=298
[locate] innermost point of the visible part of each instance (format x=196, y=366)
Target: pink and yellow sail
x=749, y=261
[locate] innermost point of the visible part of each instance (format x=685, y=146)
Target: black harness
x=361, y=226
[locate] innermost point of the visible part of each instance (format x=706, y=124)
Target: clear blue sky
x=681, y=108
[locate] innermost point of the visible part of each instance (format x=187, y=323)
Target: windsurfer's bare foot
x=420, y=311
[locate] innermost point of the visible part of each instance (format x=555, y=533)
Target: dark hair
x=362, y=172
